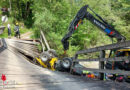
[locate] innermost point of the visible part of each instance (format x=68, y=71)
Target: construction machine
x=48, y=59
x=99, y=22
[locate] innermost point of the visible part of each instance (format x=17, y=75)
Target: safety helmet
x=16, y=23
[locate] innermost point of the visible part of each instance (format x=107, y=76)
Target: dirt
x=26, y=35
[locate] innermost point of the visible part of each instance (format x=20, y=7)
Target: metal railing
x=102, y=59
x=2, y=29
x=3, y=45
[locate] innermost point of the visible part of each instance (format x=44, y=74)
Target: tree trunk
x=18, y=6
x=28, y=9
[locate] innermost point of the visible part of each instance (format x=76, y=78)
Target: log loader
x=49, y=60
x=99, y=22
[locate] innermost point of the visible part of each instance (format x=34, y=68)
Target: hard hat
x=16, y=23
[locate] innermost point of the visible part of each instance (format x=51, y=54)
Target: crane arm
x=100, y=23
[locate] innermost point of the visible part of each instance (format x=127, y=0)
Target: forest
x=53, y=17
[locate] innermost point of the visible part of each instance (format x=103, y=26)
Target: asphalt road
x=23, y=75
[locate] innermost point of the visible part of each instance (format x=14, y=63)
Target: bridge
x=21, y=74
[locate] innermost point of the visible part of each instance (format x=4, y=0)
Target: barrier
x=102, y=59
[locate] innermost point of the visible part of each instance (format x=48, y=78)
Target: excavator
x=99, y=22
x=49, y=60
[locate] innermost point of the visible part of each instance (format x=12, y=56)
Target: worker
x=17, y=31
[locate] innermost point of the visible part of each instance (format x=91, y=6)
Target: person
x=16, y=30
x=9, y=30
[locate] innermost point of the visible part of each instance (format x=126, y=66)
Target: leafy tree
x=54, y=17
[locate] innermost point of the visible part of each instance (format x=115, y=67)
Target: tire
x=45, y=56
x=66, y=63
x=58, y=66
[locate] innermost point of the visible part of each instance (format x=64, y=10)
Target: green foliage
x=44, y=20
x=54, y=17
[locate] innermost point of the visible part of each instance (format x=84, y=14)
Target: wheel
x=66, y=63
x=45, y=56
x=58, y=66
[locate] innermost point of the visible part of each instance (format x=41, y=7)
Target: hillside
x=54, y=17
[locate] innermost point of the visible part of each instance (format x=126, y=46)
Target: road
x=23, y=75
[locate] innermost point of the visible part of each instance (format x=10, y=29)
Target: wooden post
x=43, y=36
x=101, y=64
x=43, y=46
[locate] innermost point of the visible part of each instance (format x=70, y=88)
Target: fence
x=2, y=29
x=102, y=59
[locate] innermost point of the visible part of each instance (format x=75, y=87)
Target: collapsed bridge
x=25, y=75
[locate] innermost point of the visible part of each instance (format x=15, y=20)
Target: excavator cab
x=125, y=51
x=124, y=65
x=121, y=65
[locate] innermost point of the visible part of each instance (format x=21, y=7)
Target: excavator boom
x=100, y=23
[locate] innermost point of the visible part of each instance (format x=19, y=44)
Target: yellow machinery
x=50, y=65
x=48, y=59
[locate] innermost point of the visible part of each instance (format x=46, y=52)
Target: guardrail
x=28, y=48
x=2, y=29
x=3, y=45
x=102, y=59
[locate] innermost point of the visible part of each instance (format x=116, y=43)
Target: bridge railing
x=2, y=29
x=3, y=45
x=102, y=59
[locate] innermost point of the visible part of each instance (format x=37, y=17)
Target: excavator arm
x=100, y=23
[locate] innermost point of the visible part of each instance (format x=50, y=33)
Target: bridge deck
x=23, y=75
